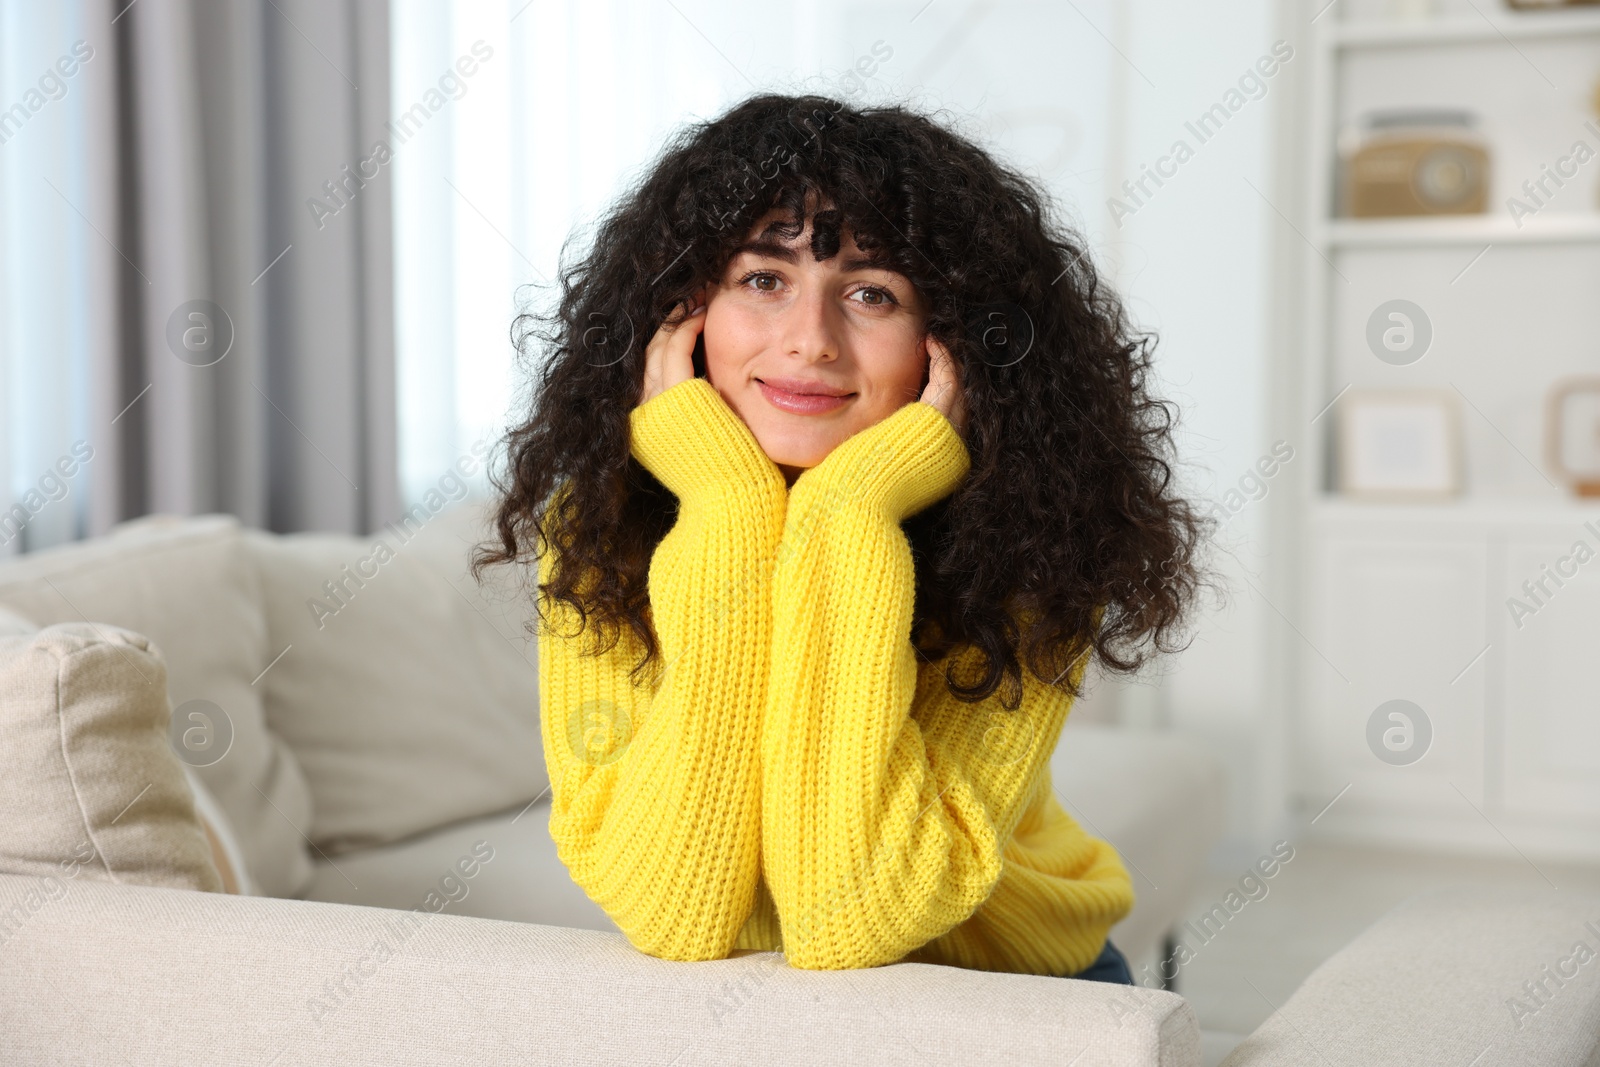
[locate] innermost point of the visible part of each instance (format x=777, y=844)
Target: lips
x=802, y=396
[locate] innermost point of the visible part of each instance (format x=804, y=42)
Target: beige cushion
x=525, y=882
x=409, y=696
x=204, y=978
x=91, y=788
x=190, y=586
x=12, y=624
x=226, y=852
x=1450, y=977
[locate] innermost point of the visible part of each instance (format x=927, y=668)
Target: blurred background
x=1365, y=231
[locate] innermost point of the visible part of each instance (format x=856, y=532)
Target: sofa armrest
x=1450, y=977
x=107, y=973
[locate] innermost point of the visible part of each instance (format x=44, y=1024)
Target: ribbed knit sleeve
x=890, y=810
x=1060, y=893
x=655, y=788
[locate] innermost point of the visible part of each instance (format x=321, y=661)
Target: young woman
x=839, y=469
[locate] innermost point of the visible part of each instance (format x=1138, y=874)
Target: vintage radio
x=1416, y=162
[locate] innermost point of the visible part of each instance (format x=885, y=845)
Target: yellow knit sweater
x=795, y=780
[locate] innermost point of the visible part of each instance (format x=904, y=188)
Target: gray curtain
x=245, y=360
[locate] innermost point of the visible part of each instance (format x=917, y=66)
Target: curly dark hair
x=1067, y=533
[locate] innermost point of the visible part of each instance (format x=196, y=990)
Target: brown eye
x=762, y=281
x=874, y=297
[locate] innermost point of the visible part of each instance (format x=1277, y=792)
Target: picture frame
x=1572, y=433
x=1401, y=445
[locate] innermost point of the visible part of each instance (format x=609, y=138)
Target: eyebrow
x=768, y=247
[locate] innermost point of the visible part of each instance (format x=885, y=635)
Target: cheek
x=732, y=337
x=894, y=362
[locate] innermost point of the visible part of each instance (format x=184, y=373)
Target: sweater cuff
x=897, y=466
x=697, y=447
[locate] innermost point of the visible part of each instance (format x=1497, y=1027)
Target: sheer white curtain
x=156, y=158
x=575, y=99
x=44, y=288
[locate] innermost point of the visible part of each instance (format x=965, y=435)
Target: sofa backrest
x=192, y=588
x=408, y=692
x=365, y=700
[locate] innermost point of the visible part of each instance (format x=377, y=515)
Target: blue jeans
x=1112, y=966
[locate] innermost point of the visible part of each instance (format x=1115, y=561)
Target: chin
x=789, y=453
x=800, y=462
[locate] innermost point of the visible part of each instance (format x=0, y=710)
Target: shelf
x=1527, y=26
x=1470, y=510
x=1485, y=229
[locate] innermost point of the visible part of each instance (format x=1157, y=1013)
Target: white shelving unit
x=1411, y=602
x=1467, y=230
x=1485, y=23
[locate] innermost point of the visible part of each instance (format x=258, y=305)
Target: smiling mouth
x=802, y=398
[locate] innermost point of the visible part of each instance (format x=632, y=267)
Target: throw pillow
x=191, y=587
x=92, y=788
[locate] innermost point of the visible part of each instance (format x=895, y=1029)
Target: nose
x=810, y=333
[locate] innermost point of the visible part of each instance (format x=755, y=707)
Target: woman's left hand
x=943, y=390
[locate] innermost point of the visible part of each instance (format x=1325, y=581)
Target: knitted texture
x=655, y=788
x=797, y=780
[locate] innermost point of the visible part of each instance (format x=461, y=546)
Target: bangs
x=841, y=184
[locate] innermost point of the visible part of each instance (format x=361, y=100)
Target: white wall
x=1193, y=260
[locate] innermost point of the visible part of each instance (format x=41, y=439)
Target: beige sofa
x=382, y=773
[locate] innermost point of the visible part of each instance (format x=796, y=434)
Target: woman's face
x=810, y=352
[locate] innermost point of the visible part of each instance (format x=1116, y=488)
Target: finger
x=951, y=378
x=678, y=355
x=669, y=357
x=944, y=385
x=939, y=357
x=939, y=380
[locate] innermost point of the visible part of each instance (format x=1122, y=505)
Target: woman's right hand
x=669, y=357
